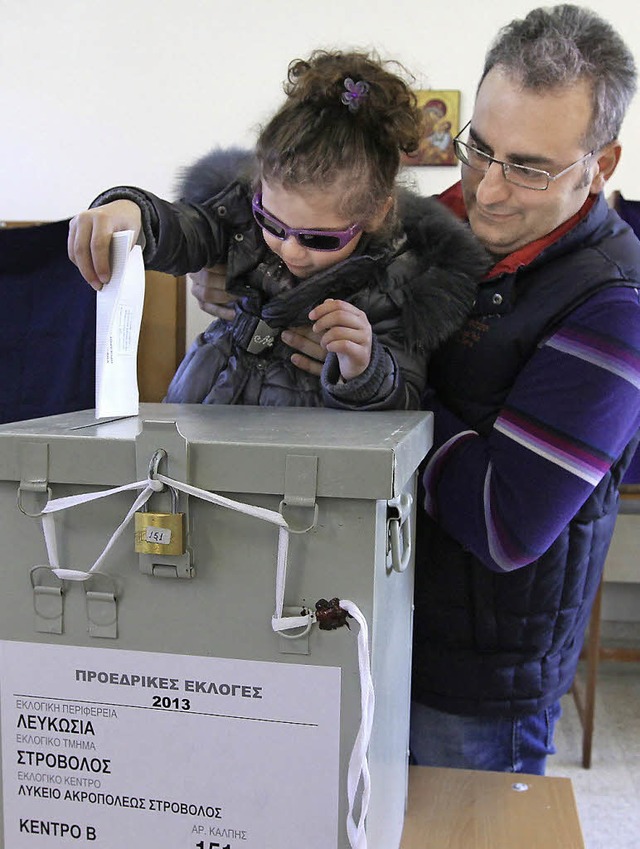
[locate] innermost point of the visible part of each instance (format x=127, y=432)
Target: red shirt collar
x=452, y=198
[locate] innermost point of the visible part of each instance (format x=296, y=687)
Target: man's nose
x=493, y=187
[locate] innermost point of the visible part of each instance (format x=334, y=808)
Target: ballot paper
x=118, y=317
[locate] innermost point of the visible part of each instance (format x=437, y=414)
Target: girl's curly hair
x=316, y=140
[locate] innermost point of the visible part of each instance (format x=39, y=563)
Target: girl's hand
x=90, y=235
x=346, y=332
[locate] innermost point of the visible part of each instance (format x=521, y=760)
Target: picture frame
x=441, y=111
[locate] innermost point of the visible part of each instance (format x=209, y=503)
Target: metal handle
x=400, y=531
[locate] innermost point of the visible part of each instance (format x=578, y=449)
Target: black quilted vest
x=488, y=643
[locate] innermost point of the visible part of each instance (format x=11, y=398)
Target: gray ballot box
x=216, y=695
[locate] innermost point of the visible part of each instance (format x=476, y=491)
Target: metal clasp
x=34, y=465
x=300, y=492
x=399, y=532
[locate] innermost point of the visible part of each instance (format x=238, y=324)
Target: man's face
x=541, y=130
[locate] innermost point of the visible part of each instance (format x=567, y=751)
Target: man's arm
x=572, y=411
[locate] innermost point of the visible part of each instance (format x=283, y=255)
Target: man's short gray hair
x=555, y=47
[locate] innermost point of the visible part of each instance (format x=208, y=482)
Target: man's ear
x=606, y=164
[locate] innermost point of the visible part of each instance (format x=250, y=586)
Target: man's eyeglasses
x=315, y=240
x=519, y=175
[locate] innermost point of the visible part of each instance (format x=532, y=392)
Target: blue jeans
x=501, y=744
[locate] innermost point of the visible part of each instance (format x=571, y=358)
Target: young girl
x=309, y=231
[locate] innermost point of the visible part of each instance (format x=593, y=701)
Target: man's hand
x=345, y=331
x=90, y=235
x=208, y=288
x=311, y=354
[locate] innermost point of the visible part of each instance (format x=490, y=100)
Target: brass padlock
x=160, y=533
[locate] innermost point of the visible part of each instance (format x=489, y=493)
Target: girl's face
x=310, y=208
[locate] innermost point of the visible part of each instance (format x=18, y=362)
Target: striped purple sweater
x=507, y=495
x=536, y=417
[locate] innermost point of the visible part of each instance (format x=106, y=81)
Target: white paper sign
x=118, y=318
x=120, y=749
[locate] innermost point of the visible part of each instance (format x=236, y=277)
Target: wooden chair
x=162, y=334
x=584, y=692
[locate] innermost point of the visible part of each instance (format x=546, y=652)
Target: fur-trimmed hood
x=450, y=262
x=209, y=175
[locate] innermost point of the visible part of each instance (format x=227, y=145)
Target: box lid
x=229, y=449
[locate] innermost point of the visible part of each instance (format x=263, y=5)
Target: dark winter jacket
x=493, y=636
x=413, y=299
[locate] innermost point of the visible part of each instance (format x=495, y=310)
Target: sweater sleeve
x=395, y=378
x=382, y=386
x=184, y=237
x=572, y=411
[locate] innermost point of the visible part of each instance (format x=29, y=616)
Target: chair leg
x=593, y=656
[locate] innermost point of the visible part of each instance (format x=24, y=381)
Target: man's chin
x=493, y=234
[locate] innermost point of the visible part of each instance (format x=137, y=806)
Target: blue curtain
x=47, y=326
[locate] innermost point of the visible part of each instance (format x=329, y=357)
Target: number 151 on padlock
x=160, y=533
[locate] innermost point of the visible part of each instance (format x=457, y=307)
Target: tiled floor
x=608, y=794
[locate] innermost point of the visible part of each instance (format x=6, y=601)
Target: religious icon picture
x=441, y=112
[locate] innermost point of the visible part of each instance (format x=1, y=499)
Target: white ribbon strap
x=358, y=763
x=204, y=494
x=358, y=772
x=58, y=504
x=281, y=624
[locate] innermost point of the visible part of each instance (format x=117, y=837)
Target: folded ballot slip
x=118, y=317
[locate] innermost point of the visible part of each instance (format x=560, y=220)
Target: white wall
x=101, y=92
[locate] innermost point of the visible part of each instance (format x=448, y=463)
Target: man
x=536, y=401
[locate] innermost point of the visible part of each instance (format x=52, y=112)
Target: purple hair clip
x=355, y=93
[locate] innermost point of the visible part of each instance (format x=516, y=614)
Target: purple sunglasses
x=315, y=240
